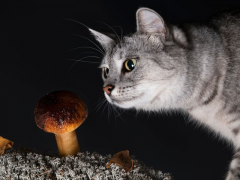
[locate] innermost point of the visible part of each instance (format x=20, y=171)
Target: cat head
x=139, y=69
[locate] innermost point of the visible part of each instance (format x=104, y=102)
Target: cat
x=193, y=67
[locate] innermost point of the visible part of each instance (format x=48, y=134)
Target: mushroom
x=61, y=112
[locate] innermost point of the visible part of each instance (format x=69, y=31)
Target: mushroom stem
x=67, y=143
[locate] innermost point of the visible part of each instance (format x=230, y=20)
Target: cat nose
x=108, y=89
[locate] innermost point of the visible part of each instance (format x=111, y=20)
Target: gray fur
x=192, y=67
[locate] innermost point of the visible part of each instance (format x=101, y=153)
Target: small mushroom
x=122, y=159
x=61, y=112
x=5, y=144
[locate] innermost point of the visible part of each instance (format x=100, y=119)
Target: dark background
x=35, y=40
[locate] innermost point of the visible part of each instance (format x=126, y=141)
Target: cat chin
x=123, y=104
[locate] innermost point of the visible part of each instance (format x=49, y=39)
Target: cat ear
x=103, y=39
x=148, y=21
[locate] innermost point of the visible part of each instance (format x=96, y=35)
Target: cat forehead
x=137, y=37
x=132, y=46
x=138, y=43
x=123, y=53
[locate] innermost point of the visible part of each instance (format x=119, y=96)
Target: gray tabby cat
x=191, y=67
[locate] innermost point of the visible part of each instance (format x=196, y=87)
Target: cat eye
x=105, y=72
x=130, y=64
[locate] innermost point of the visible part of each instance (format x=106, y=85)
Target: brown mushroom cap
x=60, y=112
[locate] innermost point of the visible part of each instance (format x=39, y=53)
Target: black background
x=35, y=39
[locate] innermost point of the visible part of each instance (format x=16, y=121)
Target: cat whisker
x=108, y=112
x=100, y=104
x=114, y=112
x=130, y=114
x=105, y=107
x=80, y=35
x=87, y=53
x=119, y=114
x=80, y=60
x=113, y=31
x=88, y=48
x=121, y=32
x=116, y=123
x=91, y=42
x=84, y=58
x=101, y=99
x=76, y=22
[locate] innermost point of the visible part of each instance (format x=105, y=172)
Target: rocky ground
x=28, y=165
